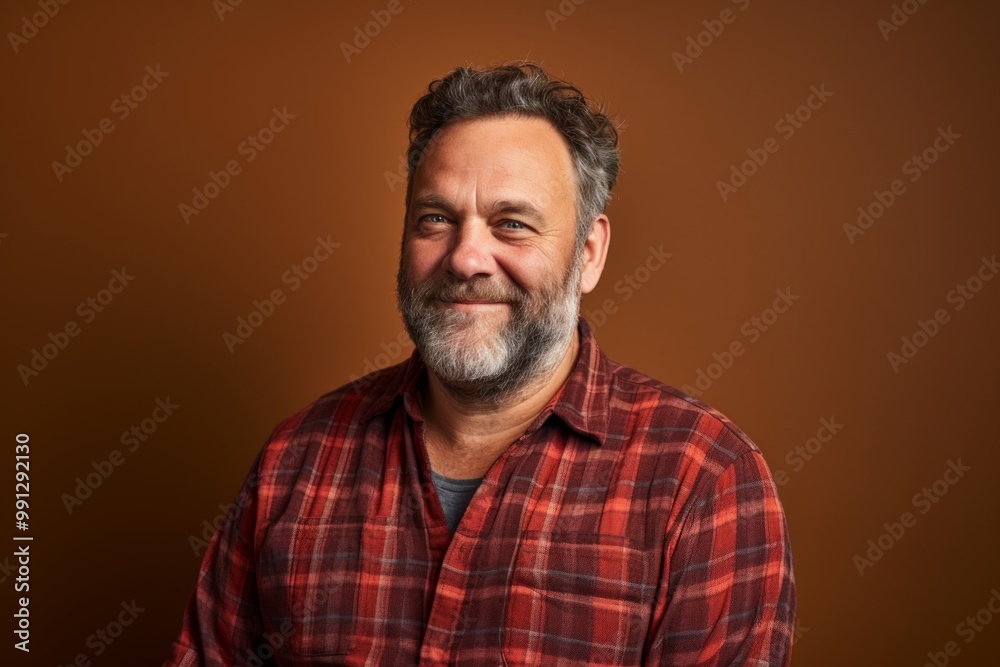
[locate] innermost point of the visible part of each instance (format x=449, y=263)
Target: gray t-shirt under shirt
x=455, y=495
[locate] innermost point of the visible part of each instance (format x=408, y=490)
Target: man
x=508, y=495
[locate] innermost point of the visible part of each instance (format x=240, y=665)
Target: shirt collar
x=581, y=402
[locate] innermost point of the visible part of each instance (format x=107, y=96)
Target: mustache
x=474, y=290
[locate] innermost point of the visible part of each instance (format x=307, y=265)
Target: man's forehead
x=493, y=184
x=516, y=159
x=506, y=139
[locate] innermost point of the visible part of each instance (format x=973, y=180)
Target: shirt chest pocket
x=310, y=575
x=578, y=599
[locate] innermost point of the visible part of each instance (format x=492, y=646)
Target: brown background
x=325, y=175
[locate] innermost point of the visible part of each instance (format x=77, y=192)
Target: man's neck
x=464, y=438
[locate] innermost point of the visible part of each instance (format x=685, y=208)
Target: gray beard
x=480, y=362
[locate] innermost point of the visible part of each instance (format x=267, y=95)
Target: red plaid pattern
x=630, y=525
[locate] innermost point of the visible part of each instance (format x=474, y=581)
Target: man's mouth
x=471, y=303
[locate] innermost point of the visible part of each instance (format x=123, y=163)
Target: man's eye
x=513, y=224
x=433, y=217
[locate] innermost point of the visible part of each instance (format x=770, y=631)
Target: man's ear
x=595, y=252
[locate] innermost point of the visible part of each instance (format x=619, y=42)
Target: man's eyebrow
x=431, y=201
x=516, y=207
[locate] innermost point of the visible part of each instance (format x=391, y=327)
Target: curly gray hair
x=525, y=89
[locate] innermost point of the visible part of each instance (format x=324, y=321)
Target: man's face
x=488, y=284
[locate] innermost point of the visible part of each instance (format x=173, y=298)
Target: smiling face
x=488, y=284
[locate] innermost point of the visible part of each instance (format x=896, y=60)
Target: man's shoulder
x=659, y=418
x=337, y=411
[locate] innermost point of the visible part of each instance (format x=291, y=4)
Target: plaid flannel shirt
x=629, y=525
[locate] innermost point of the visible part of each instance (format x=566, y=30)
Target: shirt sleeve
x=729, y=593
x=222, y=623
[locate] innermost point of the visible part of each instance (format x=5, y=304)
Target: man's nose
x=471, y=252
